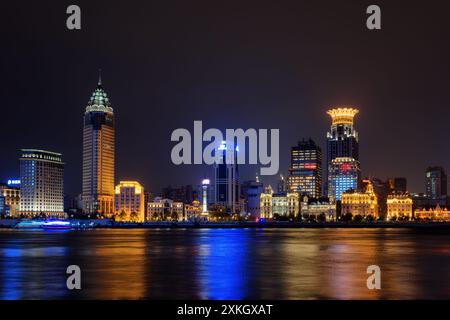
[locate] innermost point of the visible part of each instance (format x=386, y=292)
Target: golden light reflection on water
x=226, y=264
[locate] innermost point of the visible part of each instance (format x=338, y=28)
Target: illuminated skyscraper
x=436, y=183
x=343, y=176
x=306, y=169
x=342, y=140
x=98, y=154
x=42, y=187
x=227, y=188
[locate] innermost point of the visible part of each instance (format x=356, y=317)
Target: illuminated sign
x=13, y=182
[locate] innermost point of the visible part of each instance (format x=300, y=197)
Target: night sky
x=232, y=64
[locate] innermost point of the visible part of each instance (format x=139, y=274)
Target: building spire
x=99, y=77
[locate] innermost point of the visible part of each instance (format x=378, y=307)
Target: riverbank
x=109, y=224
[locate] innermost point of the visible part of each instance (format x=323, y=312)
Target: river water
x=225, y=263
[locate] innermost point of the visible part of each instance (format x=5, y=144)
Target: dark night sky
x=231, y=64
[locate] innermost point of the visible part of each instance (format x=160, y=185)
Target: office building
x=399, y=206
x=42, y=186
x=98, y=155
x=305, y=173
x=227, y=189
x=436, y=183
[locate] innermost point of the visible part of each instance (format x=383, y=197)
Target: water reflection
x=225, y=264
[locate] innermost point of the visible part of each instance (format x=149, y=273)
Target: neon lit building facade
x=98, y=155
x=279, y=204
x=399, y=206
x=42, y=183
x=226, y=177
x=361, y=203
x=306, y=169
x=343, y=176
x=130, y=198
x=342, y=141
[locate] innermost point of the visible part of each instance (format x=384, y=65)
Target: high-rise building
x=343, y=176
x=98, y=154
x=436, y=183
x=130, y=200
x=306, y=169
x=342, y=139
x=226, y=179
x=42, y=186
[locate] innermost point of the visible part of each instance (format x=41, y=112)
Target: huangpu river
x=225, y=263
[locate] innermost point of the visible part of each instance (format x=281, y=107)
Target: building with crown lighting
x=343, y=176
x=130, y=201
x=42, y=183
x=227, y=189
x=286, y=204
x=98, y=155
x=305, y=173
x=342, y=141
x=361, y=203
x=399, y=206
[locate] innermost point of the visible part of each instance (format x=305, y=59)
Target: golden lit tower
x=98, y=154
x=342, y=139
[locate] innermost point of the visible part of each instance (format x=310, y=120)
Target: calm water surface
x=225, y=263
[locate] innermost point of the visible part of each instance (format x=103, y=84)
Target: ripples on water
x=225, y=264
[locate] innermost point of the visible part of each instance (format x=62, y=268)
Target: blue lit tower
x=342, y=142
x=227, y=187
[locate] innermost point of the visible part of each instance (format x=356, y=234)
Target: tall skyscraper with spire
x=98, y=154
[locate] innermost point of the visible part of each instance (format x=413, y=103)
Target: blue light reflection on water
x=21, y=281
x=223, y=263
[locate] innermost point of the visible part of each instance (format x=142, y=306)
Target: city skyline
x=284, y=79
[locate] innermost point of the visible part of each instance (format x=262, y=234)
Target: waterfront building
x=227, y=189
x=42, y=184
x=252, y=195
x=11, y=195
x=194, y=211
x=305, y=173
x=130, y=201
x=343, y=176
x=165, y=209
x=361, y=203
x=399, y=205
x=342, y=140
x=98, y=155
x=316, y=207
x=437, y=214
x=275, y=205
x=436, y=183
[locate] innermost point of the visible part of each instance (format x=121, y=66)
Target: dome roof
x=99, y=100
